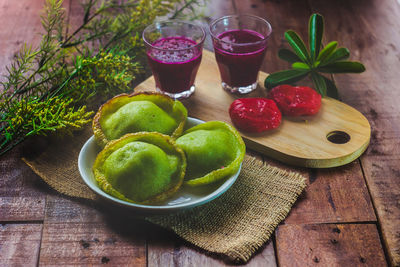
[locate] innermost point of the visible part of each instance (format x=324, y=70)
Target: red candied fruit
x=296, y=100
x=255, y=114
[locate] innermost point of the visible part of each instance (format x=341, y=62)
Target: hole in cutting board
x=338, y=137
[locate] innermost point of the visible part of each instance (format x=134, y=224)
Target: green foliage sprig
x=313, y=61
x=53, y=87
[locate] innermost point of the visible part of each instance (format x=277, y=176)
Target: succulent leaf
x=343, y=67
x=339, y=54
x=298, y=45
x=300, y=65
x=331, y=89
x=285, y=76
x=315, y=33
x=319, y=83
x=315, y=61
x=288, y=55
x=327, y=51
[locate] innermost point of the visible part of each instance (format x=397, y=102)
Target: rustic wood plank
x=73, y=243
x=370, y=30
x=22, y=208
x=63, y=209
x=24, y=16
x=334, y=195
x=22, y=193
x=214, y=10
x=17, y=179
x=19, y=244
x=329, y=245
x=166, y=249
x=87, y=233
x=265, y=257
x=75, y=15
x=382, y=174
x=21, y=24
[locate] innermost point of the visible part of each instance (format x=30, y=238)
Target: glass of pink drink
x=240, y=43
x=174, y=50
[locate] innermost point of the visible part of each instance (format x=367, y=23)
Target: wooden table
x=348, y=215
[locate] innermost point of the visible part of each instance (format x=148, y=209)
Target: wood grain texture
x=212, y=11
x=19, y=244
x=22, y=208
x=329, y=245
x=370, y=30
x=63, y=209
x=300, y=142
x=77, y=244
x=21, y=191
x=166, y=249
x=88, y=233
x=24, y=16
x=334, y=195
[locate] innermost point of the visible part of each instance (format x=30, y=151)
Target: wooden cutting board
x=298, y=141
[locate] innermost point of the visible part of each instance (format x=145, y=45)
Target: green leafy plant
x=313, y=62
x=55, y=87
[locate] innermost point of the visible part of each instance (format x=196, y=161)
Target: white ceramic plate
x=186, y=197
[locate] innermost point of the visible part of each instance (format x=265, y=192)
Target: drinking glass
x=240, y=42
x=174, y=50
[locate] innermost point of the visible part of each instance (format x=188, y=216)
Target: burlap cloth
x=235, y=225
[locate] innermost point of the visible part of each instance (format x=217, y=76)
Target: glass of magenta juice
x=174, y=50
x=240, y=42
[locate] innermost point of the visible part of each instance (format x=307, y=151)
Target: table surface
x=348, y=215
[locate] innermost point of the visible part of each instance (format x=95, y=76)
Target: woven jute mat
x=234, y=225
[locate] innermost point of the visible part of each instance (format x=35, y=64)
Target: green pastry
x=142, y=112
x=214, y=151
x=142, y=168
